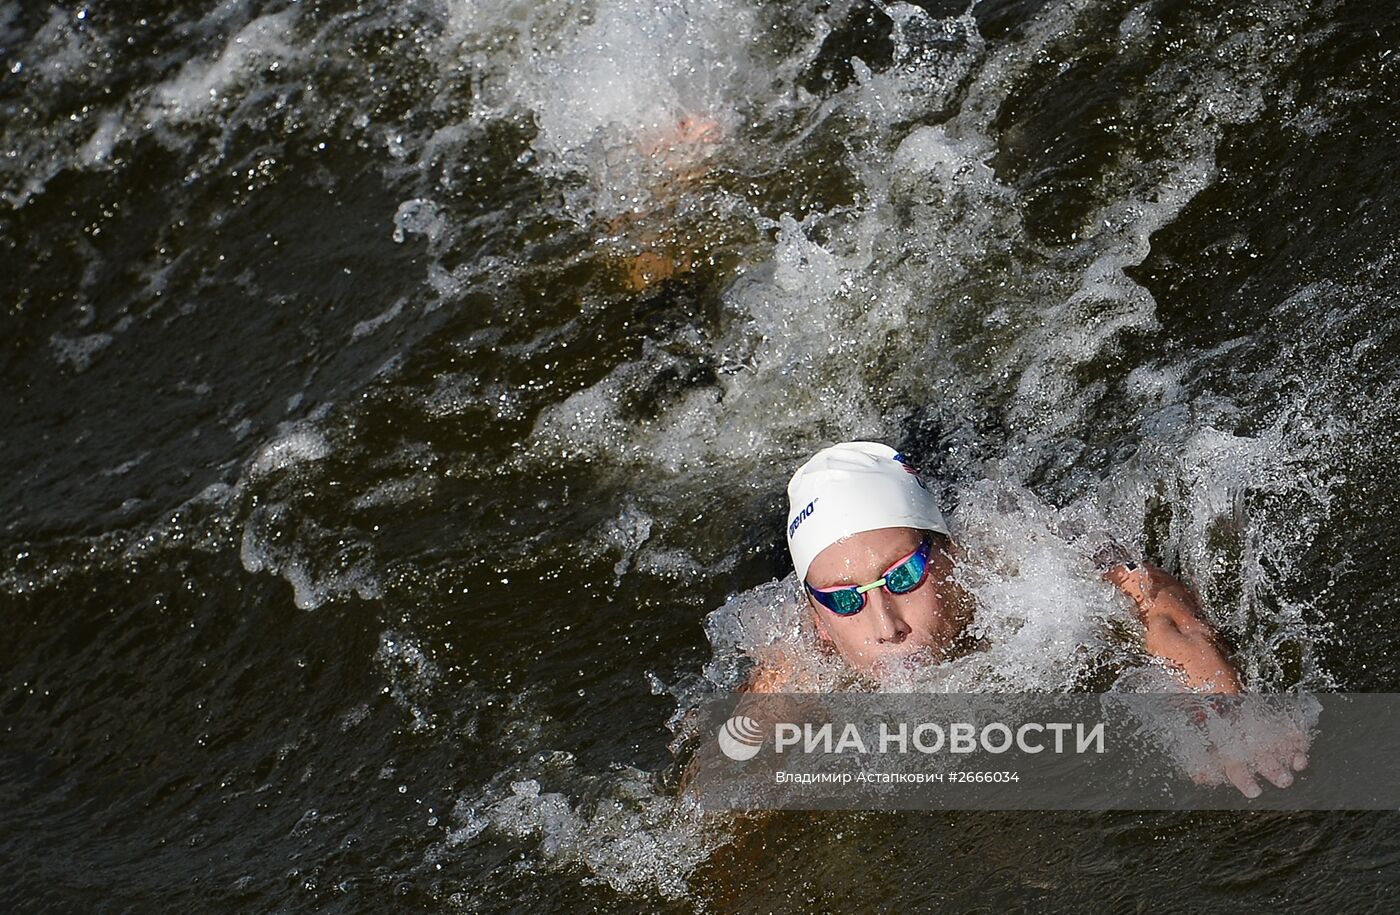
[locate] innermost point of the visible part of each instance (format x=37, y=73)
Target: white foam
x=929, y=62
x=61, y=49
x=411, y=673
x=66, y=57
x=637, y=67
x=319, y=563
x=203, y=84
x=617, y=96
x=299, y=445
x=845, y=327
x=98, y=149
x=126, y=466
x=79, y=352
x=392, y=492
x=1240, y=559
x=627, y=837
x=365, y=328
x=419, y=216
x=1044, y=620
x=627, y=533
x=801, y=382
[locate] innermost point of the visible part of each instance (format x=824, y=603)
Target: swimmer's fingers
x=1283, y=756
x=1208, y=770
x=1274, y=767
x=1274, y=760
x=1297, y=748
x=1242, y=778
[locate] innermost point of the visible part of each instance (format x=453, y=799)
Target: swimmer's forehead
x=861, y=558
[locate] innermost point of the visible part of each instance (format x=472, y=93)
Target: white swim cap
x=850, y=488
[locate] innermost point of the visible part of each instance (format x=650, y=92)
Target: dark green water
x=360, y=520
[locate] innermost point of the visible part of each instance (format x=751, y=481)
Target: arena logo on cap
x=801, y=516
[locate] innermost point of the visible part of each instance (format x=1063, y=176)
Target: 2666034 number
x=982, y=777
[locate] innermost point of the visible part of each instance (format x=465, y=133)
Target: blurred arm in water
x=682, y=154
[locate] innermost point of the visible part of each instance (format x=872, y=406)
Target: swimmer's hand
x=1242, y=740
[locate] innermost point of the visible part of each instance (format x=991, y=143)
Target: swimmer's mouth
x=911, y=659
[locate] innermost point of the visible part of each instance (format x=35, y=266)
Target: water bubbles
x=630, y=838
x=300, y=444
x=200, y=84
x=419, y=216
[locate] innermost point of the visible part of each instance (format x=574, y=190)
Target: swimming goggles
x=901, y=578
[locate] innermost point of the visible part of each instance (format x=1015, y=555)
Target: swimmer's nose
x=890, y=628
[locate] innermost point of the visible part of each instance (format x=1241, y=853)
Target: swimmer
x=682, y=152
x=875, y=563
x=683, y=147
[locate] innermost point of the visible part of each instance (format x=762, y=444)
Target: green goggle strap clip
x=861, y=589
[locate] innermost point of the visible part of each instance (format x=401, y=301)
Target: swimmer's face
x=890, y=628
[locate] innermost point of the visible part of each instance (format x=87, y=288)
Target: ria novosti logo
x=740, y=738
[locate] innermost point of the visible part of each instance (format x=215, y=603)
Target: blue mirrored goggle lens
x=843, y=603
x=906, y=576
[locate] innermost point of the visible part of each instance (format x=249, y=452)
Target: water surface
x=367, y=500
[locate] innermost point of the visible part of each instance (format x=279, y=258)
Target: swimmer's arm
x=1176, y=631
x=763, y=678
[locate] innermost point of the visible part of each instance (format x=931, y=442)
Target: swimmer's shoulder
x=771, y=677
